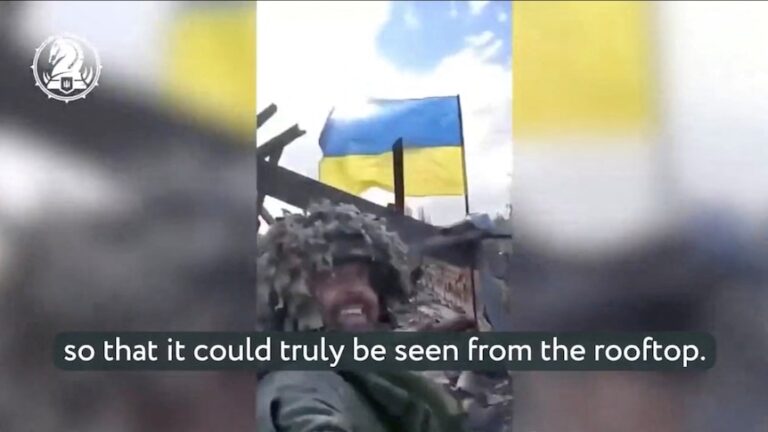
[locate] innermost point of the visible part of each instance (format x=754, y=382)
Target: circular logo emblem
x=66, y=68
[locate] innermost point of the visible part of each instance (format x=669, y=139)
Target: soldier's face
x=346, y=298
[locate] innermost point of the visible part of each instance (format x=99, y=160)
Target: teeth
x=352, y=310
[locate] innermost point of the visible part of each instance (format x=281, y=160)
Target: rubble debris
x=487, y=397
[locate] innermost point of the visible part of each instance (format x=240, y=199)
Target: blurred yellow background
x=211, y=65
x=134, y=209
x=582, y=66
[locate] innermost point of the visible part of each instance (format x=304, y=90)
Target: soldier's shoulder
x=303, y=386
x=320, y=399
x=289, y=381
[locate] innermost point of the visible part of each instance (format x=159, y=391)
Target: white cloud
x=502, y=16
x=491, y=50
x=476, y=6
x=479, y=39
x=485, y=44
x=411, y=20
x=454, y=10
x=306, y=76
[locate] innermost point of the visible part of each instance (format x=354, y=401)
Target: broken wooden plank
x=279, y=142
x=299, y=191
x=265, y=115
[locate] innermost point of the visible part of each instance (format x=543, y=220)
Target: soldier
x=339, y=269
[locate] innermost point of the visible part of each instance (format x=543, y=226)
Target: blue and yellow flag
x=357, y=146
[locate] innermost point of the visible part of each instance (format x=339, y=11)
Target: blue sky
x=344, y=52
x=716, y=85
x=418, y=34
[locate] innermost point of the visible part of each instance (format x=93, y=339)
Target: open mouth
x=351, y=310
x=352, y=316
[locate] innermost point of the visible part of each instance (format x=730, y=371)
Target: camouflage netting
x=300, y=245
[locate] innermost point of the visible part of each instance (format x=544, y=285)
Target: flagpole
x=399, y=172
x=466, y=209
x=463, y=158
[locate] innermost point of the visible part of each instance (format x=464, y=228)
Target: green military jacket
x=324, y=401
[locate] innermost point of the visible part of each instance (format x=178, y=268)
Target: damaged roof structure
x=461, y=270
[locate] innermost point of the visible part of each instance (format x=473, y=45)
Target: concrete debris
x=485, y=396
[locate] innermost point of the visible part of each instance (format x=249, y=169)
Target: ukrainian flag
x=357, y=146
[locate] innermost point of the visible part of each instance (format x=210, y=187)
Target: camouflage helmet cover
x=298, y=246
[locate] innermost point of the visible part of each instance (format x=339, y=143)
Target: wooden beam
x=274, y=158
x=267, y=216
x=299, y=191
x=279, y=142
x=265, y=115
